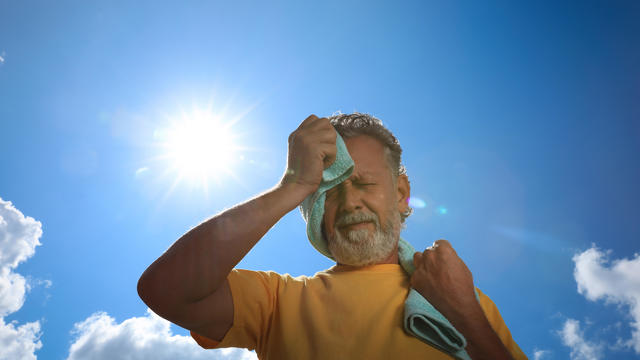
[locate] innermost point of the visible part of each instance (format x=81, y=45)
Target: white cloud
x=39, y=282
x=2, y=57
x=540, y=354
x=19, y=342
x=12, y=289
x=616, y=281
x=99, y=337
x=581, y=349
x=19, y=236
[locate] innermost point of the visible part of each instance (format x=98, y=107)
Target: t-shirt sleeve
x=254, y=296
x=498, y=325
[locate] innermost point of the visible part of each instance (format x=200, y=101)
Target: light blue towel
x=421, y=319
x=424, y=321
x=312, y=208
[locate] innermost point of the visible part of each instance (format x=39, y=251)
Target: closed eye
x=331, y=192
x=334, y=191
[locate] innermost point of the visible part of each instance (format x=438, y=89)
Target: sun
x=199, y=147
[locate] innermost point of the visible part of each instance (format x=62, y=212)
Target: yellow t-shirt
x=341, y=313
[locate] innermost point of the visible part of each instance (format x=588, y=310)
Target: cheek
x=384, y=206
x=328, y=232
x=380, y=200
x=328, y=220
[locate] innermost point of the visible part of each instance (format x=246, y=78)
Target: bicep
x=240, y=312
x=212, y=316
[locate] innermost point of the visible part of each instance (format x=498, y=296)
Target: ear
x=403, y=192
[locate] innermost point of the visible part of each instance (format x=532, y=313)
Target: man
x=351, y=311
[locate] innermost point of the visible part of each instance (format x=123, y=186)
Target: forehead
x=368, y=154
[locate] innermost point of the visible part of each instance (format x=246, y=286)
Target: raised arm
x=187, y=285
x=444, y=279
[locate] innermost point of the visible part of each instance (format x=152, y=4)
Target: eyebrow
x=361, y=174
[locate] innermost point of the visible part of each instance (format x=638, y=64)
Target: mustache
x=354, y=218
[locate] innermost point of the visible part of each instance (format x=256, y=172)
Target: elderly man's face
x=362, y=215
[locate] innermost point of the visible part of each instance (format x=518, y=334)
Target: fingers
x=421, y=259
x=439, y=245
x=311, y=118
x=312, y=148
x=315, y=122
x=328, y=160
x=430, y=249
x=417, y=259
x=439, y=248
x=442, y=242
x=316, y=130
x=329, y=152
x=320, y=132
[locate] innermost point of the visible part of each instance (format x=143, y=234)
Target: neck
x=391, y=259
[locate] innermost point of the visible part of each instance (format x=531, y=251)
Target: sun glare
x=199, y=147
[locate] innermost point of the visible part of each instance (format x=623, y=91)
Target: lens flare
x=417, y=203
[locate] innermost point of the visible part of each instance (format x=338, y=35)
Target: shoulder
x=490, y=309
x=268, y=274
x=499, y=326
x=267, y=278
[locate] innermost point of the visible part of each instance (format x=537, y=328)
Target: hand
x=312, y=148
x=443, y=279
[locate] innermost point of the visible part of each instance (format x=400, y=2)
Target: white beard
x=359, y=247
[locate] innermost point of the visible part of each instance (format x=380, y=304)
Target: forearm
x=482, y=341
x=199, y=262
x=443, y=279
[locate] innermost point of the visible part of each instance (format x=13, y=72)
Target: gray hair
x=351, y=125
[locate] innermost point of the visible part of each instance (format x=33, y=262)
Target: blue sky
x=520, y=125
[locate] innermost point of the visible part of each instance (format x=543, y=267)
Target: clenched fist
x=443, y=278
x=312, y=148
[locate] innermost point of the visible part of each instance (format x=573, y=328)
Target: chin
x=363, y=247
x=374, y=250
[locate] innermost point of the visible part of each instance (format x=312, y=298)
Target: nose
x=350, y=200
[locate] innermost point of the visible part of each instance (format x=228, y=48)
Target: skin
x=444, y=279
x=188, y=285
x=371, y=188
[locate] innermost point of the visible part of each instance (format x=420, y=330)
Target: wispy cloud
x=2, y=56
x=19, y=236
x=581, y=349
x=541, y=354
x=616, y=281
x=99, y=337
x=141, y=171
